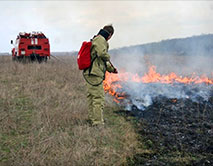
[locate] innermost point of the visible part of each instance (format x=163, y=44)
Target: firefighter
x=95, y=75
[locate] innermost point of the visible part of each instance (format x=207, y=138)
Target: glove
x=115, y=71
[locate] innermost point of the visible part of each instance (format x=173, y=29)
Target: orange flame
x=112, y=86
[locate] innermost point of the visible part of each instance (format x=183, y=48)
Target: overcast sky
x=68, y=23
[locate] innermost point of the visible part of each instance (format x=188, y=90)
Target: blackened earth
x=176, y=132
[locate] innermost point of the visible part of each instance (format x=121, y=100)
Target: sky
x=68, y=23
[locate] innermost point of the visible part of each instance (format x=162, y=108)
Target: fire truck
x=33, y=46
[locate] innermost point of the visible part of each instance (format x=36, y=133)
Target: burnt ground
x=174, y=132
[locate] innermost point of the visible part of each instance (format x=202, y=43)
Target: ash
x=174, y=120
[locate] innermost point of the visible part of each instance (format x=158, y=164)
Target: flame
x=112, y=86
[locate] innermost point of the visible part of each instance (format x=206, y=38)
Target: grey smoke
x=182, y=56
x=142, y=95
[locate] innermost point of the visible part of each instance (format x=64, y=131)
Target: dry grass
x=43, y=115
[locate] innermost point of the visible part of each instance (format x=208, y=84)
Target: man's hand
x=115, y=71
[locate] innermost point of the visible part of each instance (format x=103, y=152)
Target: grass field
x=43, y=119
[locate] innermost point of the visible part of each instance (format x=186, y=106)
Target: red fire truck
x=33, y=46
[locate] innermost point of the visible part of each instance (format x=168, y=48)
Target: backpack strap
x=90, y=68
x=91, y=83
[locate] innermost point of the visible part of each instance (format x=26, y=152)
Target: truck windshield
x=31, y=47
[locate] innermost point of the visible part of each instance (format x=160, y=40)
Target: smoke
x=131, y=60
x=184, y=57
x=142, y=95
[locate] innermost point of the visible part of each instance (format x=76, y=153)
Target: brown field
x=43, y=119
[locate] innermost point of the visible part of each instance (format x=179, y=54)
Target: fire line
x=112, y=81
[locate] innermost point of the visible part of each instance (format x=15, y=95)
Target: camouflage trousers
x=96, y=100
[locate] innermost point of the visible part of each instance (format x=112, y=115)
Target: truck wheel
x=14, y=58
x=45, y=59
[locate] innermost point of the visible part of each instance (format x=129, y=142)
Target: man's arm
x=110, y=68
